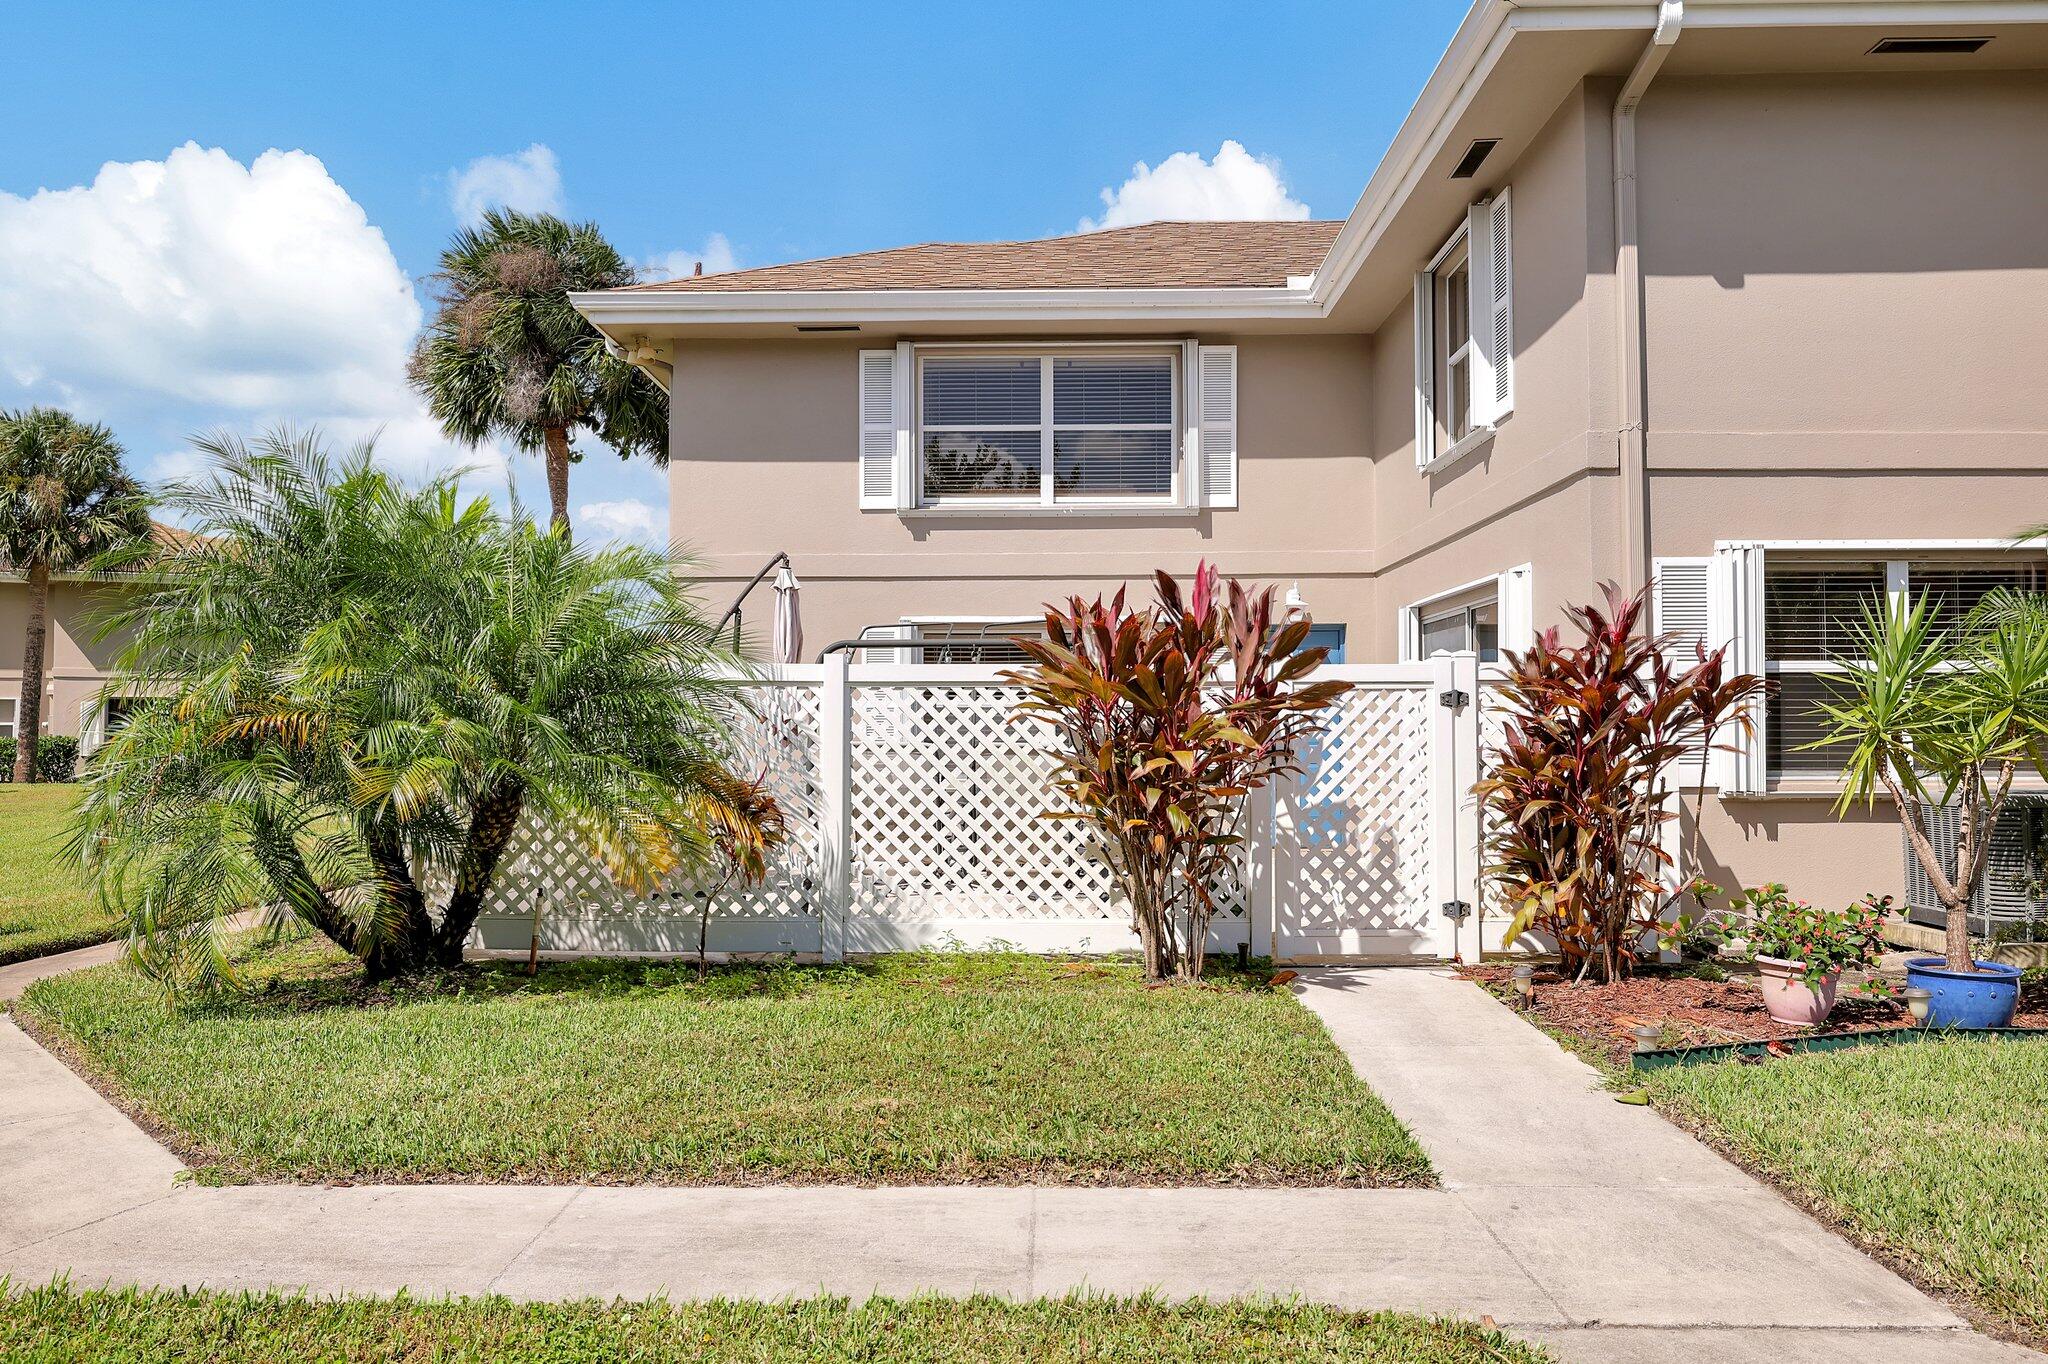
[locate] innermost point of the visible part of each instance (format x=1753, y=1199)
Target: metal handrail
x=920, y=642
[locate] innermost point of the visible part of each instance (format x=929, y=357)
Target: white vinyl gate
x=914, y=803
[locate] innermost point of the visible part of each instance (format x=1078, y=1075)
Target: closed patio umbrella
x=788, y=638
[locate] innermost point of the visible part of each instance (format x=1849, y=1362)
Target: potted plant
x=1958, y=712
x=1800, y=951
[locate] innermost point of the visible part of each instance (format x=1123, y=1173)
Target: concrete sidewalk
x=1595, y=1227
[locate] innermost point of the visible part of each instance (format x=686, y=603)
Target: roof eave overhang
x=1481, y=40
x=612, y=309
x=1491, y=25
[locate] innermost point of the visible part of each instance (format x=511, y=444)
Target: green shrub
x=56, y=759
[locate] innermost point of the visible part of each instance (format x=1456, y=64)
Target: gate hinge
x=1452, y=699
x=1457, y=911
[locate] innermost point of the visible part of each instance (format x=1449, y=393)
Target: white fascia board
x=609, y=309
x=1833, y=13
x=1491, y=25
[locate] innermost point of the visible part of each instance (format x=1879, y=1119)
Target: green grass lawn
x=43, y=907
x=1937, y=1151
x=921, y=1068
x=129, y=1327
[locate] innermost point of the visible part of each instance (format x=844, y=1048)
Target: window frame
x=10, y=718
x=1897, y=559
x=1034, y=626
x=1434, y=363
x=1511, y=593
x=1048, y=499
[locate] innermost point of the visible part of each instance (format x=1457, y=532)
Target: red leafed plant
x=1583, y=782
x=1159, y=747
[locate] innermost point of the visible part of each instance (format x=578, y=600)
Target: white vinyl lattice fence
x=915, y=807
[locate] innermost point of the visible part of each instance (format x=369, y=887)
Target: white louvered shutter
x=1490, y=237
x=1425, y=367
x=1516, y=595
x=1216, y=398
x=1680, y=608
x=884, y=428
x=1736, y=617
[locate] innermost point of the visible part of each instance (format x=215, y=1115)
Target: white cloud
x=716, y=254
x=628, y=519
x=183, y=295
x=528, y=182
x=1235, y=184
x=195, y=278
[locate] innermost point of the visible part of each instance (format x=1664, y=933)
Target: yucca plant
x=1166, y=720
x=1943, y=716
x=1579, y=788
x=361, y=687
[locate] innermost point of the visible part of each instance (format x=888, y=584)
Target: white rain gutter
x=1628, y=281
x=643, y=355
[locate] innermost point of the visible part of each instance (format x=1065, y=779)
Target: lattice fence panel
x=1353, y=831
x=1493, y=728
x=948, y=801
x=776, y=736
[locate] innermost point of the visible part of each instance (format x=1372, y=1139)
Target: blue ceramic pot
x=1983, y=998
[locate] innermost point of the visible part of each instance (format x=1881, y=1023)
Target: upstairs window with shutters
x=1049, y=429
x=1813, y=609
x=1464, y=336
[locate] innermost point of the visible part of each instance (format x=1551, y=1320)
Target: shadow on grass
x=309, y=975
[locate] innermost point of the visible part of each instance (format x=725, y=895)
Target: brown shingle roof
x=1206, y=255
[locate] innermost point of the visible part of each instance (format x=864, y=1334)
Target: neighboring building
x=77, y=664
x=1751, y=299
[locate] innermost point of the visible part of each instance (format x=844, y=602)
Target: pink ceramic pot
x=1787, y=996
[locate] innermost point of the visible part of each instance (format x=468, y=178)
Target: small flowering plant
x=1822, y=941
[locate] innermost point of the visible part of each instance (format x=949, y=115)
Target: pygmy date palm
x=64, y=498
x=507, y=356
x=364, y=687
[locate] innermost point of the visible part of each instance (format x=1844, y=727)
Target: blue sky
x=234, y=284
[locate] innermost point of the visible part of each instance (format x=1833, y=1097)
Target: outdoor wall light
x=1294, y=604
x=1524, y=980
x=1917, y=1001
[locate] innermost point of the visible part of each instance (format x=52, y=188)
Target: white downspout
x=1628, y=281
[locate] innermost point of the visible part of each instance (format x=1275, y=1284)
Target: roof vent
x=1927, y=46
x=1468, y=165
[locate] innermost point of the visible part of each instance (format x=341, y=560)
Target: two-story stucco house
x=1746, y=299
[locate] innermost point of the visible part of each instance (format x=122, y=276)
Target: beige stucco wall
x=1845, y=287
x=76, y=665
x=763, y=458
x=1541, y=491
x=1846, y=314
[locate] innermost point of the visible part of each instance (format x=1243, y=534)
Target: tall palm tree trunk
x=557, y=439
x=28, y=715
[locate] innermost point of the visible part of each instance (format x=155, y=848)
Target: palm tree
x=367, y=686
x=64, y=498
x=506, y=356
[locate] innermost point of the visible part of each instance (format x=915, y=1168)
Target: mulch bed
x=1693, y=1012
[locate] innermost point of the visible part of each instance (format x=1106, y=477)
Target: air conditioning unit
x=2014, y=886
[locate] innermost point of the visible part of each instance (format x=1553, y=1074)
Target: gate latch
x=1452, y=699
x=1456, y=911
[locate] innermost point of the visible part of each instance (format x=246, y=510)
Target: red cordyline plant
x=1581, y=786
x=1158, y=747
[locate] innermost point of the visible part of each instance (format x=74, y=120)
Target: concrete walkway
x=1595, y=1227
